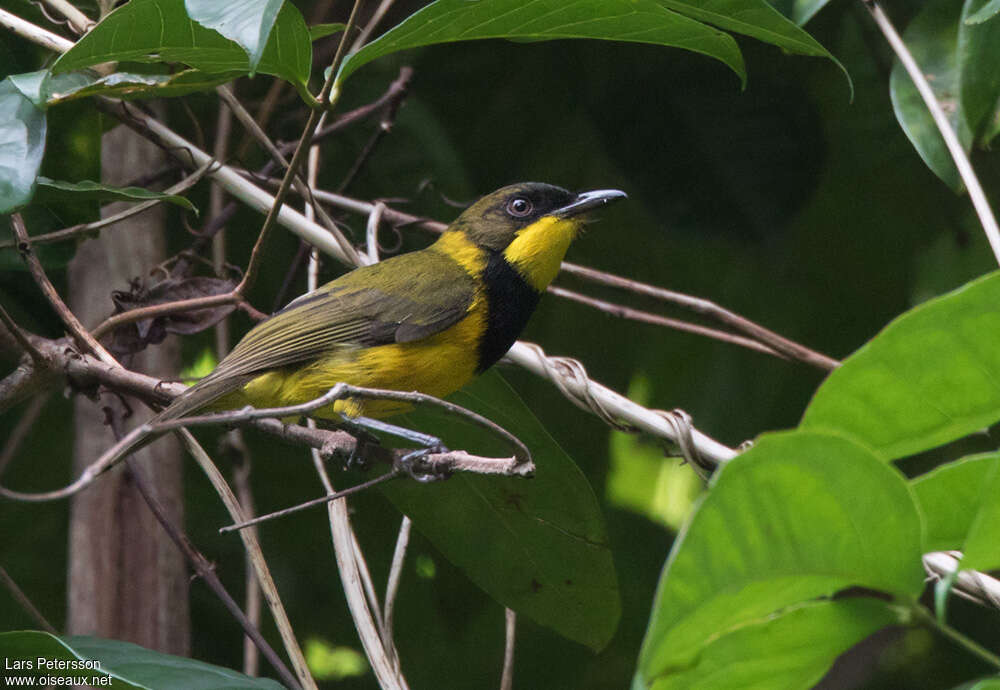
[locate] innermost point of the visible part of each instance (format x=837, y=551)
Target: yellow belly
x=438, y=365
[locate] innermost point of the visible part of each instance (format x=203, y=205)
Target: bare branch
x=256, y=555
x=510, y=631
x=33, y=33
x=206, y=572
x=78, y=21
x=86, y=341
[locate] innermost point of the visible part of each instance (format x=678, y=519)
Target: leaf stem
x=967, y=643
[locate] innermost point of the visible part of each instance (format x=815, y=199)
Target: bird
x=428, y=320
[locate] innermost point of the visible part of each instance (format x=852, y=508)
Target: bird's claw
x=414, y=465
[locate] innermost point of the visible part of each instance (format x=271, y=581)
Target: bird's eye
x=519, y=207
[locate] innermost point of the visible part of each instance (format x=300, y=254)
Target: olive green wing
x=402, y=299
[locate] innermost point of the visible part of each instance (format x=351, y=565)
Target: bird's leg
x=362, y=428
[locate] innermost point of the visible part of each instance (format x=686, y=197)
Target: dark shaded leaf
x=537, y=546
x=136, y=336
x=128, y=665
x=639, y=21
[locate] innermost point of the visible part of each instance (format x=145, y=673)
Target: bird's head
x=531, y=224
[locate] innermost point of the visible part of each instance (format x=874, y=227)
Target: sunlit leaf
x=798, y=516
x=638, y=21
x=928, y=378
x=248, y=22
x=792, y=649
x=333, y=662
x=548, y=556
x=950, y=498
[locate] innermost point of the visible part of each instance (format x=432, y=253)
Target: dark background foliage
x=787, y=202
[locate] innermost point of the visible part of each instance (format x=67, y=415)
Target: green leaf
x=753, y=18
x=161, y=31
x=128, y=85
x=798, y=516
x=928, y=378
x=59, y=190
x=982, y=544
x=793, y=649
x=961, y=61
x=932, y=38
x=979, y=60
x=22, y=145
x=951, y=496
x=538, y=546
x=318, y=31
x=248, y=23
x=987, y=11
x=637, y=21
x=130, y=665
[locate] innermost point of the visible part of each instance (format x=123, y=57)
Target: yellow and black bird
x=429, y=320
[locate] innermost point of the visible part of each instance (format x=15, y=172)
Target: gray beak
x=585, y=201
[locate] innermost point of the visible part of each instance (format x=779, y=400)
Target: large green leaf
x=928, y=378
x=798, y=516
x=793, y=649
x=248, y=23
x=161, y=31
x=962, y=64
x=640, y=21
x=129, y=665
x=539, y=545
x=952, y=496
x=22, y=144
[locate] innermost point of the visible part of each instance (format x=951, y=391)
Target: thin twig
x=327, y=98
x=256, y=555
x=22, y=428
x=371, y=233
x=657, y=320
x=301, y=187
x=510, y=633
x=25, y=602
x=86, y=341
x=78, y=21
x=19, y=336
x=392, y=586
x=968, y=175
x=322, y=500
x=376, y=18
x=364, y=621
x=206, y=572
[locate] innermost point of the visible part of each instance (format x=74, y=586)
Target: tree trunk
x=126, y=579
